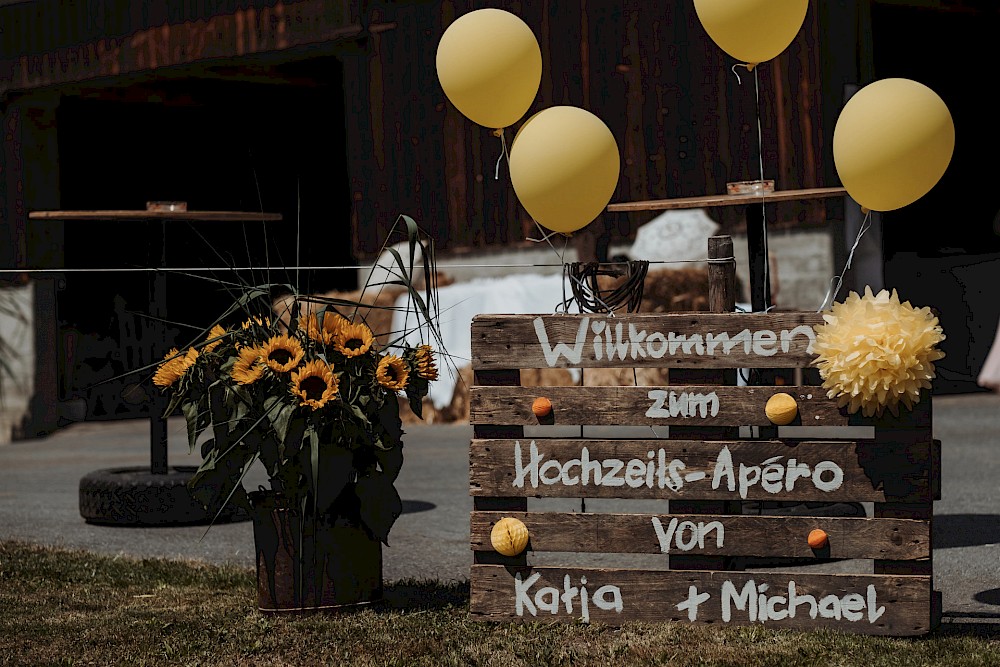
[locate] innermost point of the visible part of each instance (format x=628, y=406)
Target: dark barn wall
x=684, y=124
x=944, y=249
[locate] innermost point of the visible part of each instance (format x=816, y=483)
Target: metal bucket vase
x=330, y=563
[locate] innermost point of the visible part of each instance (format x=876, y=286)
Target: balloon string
x=503, y=151
x=748, y=66
x=545, y=239
x=831, y=292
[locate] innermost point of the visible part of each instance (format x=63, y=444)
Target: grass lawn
x=72, y=608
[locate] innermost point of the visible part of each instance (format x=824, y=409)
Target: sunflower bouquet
x=311, y=393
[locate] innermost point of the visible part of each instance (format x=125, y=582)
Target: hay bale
x=675, y=290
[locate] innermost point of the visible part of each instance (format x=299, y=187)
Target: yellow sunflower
x=249, y=366
x=174, y=366
x=325, y=333
x=216, y=332
x=424, y=361
x=392, y=372
x=308, y=322
x=261, y=322
x=353, y=340
x=315, y=384
x=282, y=353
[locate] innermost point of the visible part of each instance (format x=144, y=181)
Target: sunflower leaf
x=335, y=468
x=416, y=403
x=313, y=438
x=380, y=504
x=280, y=418
x=195, y=414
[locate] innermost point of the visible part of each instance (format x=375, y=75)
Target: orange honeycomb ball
x=817, y=538
x=542, y=407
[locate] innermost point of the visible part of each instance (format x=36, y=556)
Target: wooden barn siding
x=51, y=43
x=684, y=123
x=12, y=241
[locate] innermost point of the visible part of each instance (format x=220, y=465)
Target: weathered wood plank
x=712, y=534
x=684, y=405
x=694, y=470
x=694, y=340
x=892, y=565
x=881, y=605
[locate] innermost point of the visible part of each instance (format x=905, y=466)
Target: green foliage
x=309, y=393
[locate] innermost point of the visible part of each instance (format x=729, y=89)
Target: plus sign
x=694, y=599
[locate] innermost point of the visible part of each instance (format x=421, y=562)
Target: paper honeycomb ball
x=781, y=409
x=817, y=538
x=509, y=536
x=542, y=407
x=874, y=352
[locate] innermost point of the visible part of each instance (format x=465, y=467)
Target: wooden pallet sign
x=705, y=471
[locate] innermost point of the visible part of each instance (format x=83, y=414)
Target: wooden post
x=914, y=429
x=760, y=281
x=760, y=284
x=503, y=378
x=721, y=299
x=44, y=249
x=158, y=310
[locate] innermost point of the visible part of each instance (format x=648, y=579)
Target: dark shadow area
x=414, y=506
x=907, y=42
x=990, y=596
x=238, y=143
x=412, y=595
x=980, y=625
x=965, y=530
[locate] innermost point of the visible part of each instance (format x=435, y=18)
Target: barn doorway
x=261, y=140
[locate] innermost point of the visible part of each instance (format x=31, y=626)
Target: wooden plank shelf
x=715, y=534
x=687, y=405
x=868, y=604
x=709, y=201
x=766, y=470
x=174, y=216
x=690, y=340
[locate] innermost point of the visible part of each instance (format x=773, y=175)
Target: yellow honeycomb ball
x=781, y=409
x=509, y=536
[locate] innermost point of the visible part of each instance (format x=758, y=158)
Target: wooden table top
x=707, y=201
x=198, y=216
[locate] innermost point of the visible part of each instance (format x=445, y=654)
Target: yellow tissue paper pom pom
x=509, y=536
x=874, y=352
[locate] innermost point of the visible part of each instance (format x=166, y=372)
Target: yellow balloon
x=752, y=31
x=490, y=66
x=892, y=143
x=564, y=166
